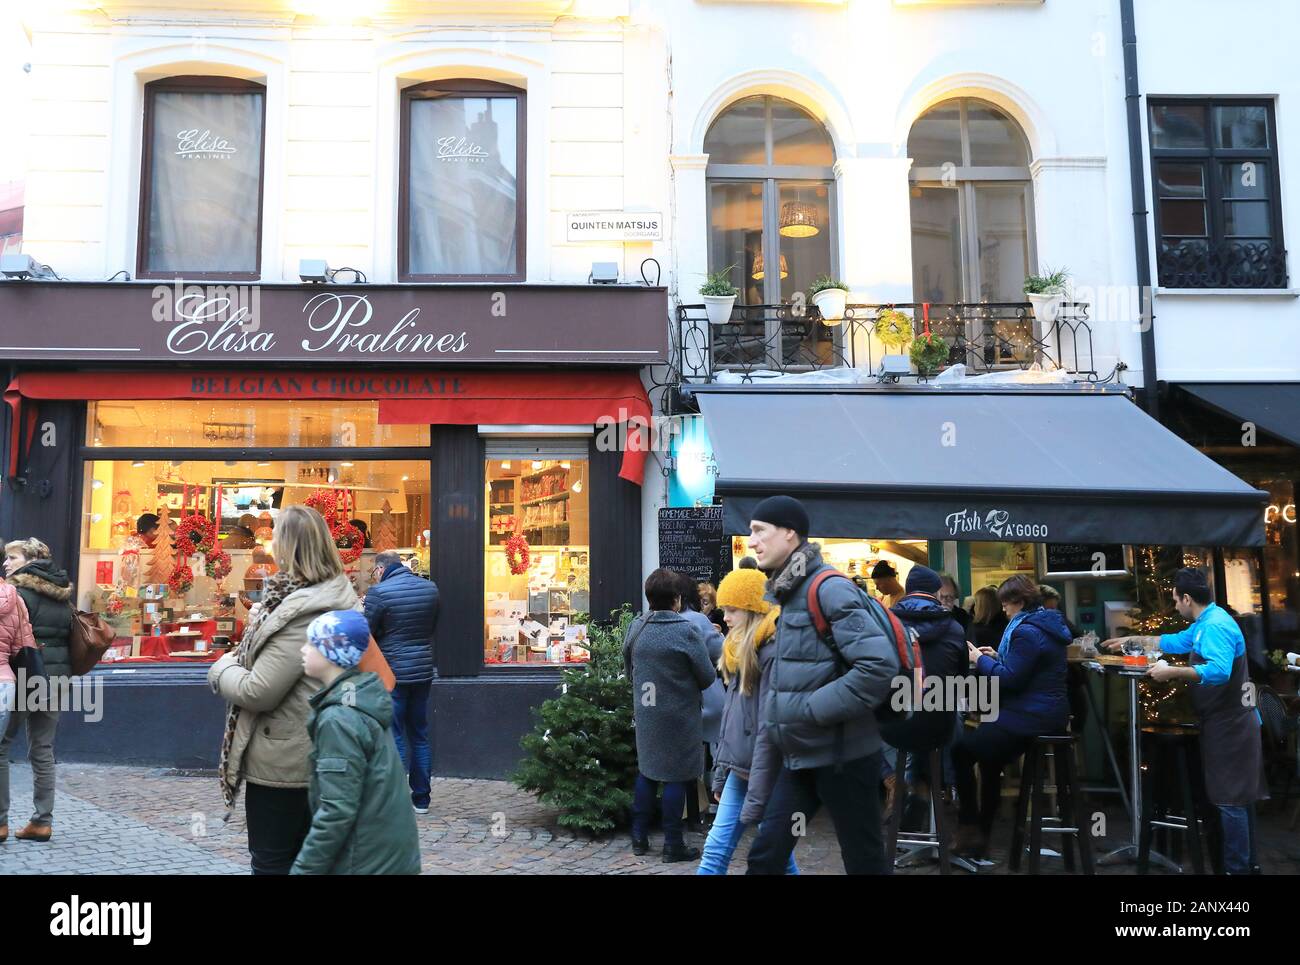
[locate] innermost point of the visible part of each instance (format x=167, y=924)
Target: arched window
x=771, y=199
x=972, y=204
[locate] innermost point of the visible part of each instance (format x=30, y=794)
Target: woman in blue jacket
x=1029, y=672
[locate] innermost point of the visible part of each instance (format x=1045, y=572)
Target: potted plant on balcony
x=1046, y=293
x=929, y=354
x=894, y=328
x=829, y=297
x=719, y=295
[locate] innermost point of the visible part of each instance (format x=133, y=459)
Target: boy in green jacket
x=362, y=822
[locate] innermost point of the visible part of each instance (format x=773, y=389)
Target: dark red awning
x=405, y=398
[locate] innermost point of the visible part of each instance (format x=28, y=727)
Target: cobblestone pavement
x=130, y=820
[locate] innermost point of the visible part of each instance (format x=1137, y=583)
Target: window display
x=991, y=563
x=174, y=553
x=195, y=424
x=856, y=558
x=537, y=560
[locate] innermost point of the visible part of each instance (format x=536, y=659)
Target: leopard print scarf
x=278, y=587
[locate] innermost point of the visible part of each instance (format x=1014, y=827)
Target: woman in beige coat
x=266, y=742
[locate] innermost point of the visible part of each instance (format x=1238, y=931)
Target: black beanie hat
x=883, y=569
x=922, y=579
x=783, y=511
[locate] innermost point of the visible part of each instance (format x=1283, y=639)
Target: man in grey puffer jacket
x=818, y=715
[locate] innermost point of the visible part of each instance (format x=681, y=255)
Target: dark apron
x=1231, y=751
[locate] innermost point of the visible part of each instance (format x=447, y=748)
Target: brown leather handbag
x=88, y=638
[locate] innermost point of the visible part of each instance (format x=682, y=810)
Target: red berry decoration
x=217, y=564
x=195, y=534
x=181, y=580
x=350, y=542
x=325, y=502
x=517, y=554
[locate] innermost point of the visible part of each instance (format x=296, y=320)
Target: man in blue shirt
x=1225, y=704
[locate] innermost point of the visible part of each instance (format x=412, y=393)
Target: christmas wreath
x=349, y=541
x=517, y=554
x=325, y=502
x=181, y=580
x=217, y=564
x=195, y=534
x=894, y=328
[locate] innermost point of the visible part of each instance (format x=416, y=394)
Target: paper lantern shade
x=799, y=220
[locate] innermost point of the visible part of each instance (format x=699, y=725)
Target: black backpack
x=906, y=645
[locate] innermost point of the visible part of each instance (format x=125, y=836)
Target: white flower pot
x=830, y=302
x=719, y=308
x=1046, y=305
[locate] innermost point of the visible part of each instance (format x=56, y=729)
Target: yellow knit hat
x=743, y=589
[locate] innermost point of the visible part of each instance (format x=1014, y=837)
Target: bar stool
x=1069, y=805
x=1179, y=743
x=936, y=838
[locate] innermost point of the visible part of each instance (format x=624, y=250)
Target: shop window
x=536, y=609
x=972, y=205
x=198, y=424
x=1218, y=208
x=162, y=612
x=1282, y=565
x=991, y=563
x=202, y=171
x=771, y=199
x=857, y=558
x=462, y=182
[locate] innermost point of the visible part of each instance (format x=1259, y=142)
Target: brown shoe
x=35, y=832
x=970, y=842
x=4, y=833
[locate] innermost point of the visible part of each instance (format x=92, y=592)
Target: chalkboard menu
x=691, y=541
x=1081, y=559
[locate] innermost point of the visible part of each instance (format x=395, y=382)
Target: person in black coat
x=402, y=610
x=944, y=656
x=48, y=595
x=988, y=621
x=950, y=598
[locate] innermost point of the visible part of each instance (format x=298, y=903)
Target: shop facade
x=444, y=462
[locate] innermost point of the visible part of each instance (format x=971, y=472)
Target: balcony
x=1228, y=264
x=985, y=337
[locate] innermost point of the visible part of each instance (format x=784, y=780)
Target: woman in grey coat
x=667, y=660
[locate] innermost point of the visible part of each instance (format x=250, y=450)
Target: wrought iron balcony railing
x=1228, y=264
x=982, y=336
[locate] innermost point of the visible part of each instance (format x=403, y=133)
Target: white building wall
x=868, y=69
x=1206, y=48
x=332, y=120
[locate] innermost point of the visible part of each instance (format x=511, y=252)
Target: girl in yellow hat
x=744, y=663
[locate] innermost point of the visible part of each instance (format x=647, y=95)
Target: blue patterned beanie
x=341, y=635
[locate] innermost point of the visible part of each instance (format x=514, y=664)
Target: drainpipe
x=1141, y=241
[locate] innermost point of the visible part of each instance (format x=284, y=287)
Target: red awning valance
x=405, y=398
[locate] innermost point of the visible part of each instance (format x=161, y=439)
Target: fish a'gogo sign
x=381, y=323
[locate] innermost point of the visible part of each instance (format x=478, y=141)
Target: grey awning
x=1272, y=406
x=1042, y=466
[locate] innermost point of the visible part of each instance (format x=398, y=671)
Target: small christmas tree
x=385, y=530
x=163, y=563
x=581, y=756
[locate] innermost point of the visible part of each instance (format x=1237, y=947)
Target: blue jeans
x=727, y=830
x=643, y=808
x=411, y=734
x=1238, y=839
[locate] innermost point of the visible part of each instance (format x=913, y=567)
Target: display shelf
x=544, y=499
x=544, y=472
